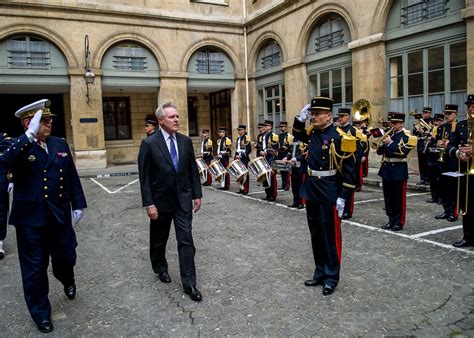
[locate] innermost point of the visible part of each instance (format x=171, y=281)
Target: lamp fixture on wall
x=89, y=76
x=196, y=101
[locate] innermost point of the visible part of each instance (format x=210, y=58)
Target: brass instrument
x=362, y=110
x=379, y=142
x=470, y=166
x=442, y=150
x=420, y=125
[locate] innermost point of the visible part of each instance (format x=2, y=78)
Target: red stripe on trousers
x=404, y=203
x=361, y=179
x=337, y=234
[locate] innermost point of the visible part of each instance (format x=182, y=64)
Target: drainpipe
x=247, y=94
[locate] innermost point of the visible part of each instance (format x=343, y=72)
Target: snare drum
x=238, y=170
x=260, y=168
x=202, y=168
x=217, y=170
x=281, y=165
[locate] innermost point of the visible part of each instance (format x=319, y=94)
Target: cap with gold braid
x=29, y=111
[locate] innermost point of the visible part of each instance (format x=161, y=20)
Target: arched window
x=331, y=32
x=270, y=55
x=28, y=52
x=418, y=11
x=129, y=57
x=210, y=61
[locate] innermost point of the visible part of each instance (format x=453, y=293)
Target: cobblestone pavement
x=252, y=259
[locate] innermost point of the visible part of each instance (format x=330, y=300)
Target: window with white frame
x=270, y=55
x=432, y=76
x=330, y=33
x=129, y=57
x=271, y=103
x=418, y=11
x=28, y=52
x=335, y=83
x=210, y=61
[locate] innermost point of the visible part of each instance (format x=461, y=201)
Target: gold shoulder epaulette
x=247, y=139
x=228, y=142
x=275, y=137
x=309, y=130
x=209, y=143
x=412, y=141
x=290, y=138
x=348, y=142
x=407, y=132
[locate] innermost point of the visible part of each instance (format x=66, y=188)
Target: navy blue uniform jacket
x=395, y=171
x=43, y=181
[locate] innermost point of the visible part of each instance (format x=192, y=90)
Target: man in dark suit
x=47, y=188
x=170, y=185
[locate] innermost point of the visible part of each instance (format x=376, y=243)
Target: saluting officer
x=329, y=183
x=434, y=164
x=243, y=148
x=206, y=152
x=394, y=170
x=224, y=149
x=285, y=139
x=420, y=147
x=47, y=188
x=450, y=164
x=460, y=146
x=5, y=187
x=269, y=150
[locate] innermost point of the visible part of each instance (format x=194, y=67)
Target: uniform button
x=320, y=168
x=45, y=187
x=60, y=170
x=45, y=179
x=61, y=178
x=44, y=170
x=60, y=187
x=319, y=177
x=323, y=158
x=45, y=196
x=60, y=195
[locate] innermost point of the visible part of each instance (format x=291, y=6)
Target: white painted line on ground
x=110, y=191
x=381, y=199
x=432, y=232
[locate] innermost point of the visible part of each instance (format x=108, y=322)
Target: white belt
x=395, y=159
x=322, y=173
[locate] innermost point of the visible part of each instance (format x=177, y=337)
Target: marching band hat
x=418, y=115
x=321, y=102
x=242, y=126
x=439, y=116
x=356, y=122
x=30, y=110
x=343, y=111
x=427, y=110
x=451, y=108
x=222, y=128
x=283, y=124
x=268, y=123
x=151, y=122
x=335, y=118
x=260, y=125
x=205, y=131
x=470, y=99
x=396, y=117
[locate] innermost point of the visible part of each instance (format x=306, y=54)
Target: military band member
x=243, y=148
x=330, y=182
x=47, y=189
x=224, y=149
x=460, y=146
x=449, y=164
x=206, y=152
x=297, y=157
x=421, y=134
x=365, y=158
x=269, y=150
x=259, y=142
x=285, y=139
x=150, y=127
x=395, y=147
x=5, y=186
x=434, y=163
x=362, y=154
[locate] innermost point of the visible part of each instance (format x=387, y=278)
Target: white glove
x=340, y=204
x=10, y=187
x=77, y=216
x=304, y=113
x=33, y=127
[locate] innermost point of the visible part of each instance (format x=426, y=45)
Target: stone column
x=296, y=93
x=174, y=88
x=468, y=15
x=87, y=121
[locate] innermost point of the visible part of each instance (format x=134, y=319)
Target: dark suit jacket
x=44, y=182
x=160, y=184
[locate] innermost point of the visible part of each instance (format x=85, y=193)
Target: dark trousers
x=468, y=218
x=245, y=184
x=435, y=182
x=35, y=245
x=4, y=206
x=449, y=194
x=285, y=180
x=423, y=166
x=225, y=183
x=271, y=190
x=159, y=233
x=394, y=193
x=359, y=176
x=326, y=241
x=209, y=177
x=296, y=183
x=365, y=166
x=349, y=206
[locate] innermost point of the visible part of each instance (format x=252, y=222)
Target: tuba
x=362, y=110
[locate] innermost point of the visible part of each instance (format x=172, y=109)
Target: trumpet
x=442, y=149
x=376, y=143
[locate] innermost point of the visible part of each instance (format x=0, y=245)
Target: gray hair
x=160, y=113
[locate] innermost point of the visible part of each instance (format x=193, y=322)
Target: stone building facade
x=225, y=62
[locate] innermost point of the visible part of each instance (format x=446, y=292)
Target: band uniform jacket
x=43, y=181
x=398, y=149
x=285, y=139
x=421, y=136
x=300, y=151
x=457, y=138
x=444, y=132
x=160, y=184
x=325, y=189
x=270, y=146
x=206, y=149
x=244, y=148
x=4, y=144
x=224, y=148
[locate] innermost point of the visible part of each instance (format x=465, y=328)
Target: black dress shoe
x=451, y=218
x=164, y=277
x=387, y=226
x=194, y=293
x=396, y=228
x=313, y=282
x=328, y=289
x=70, y=291
x=345, y=216
x=245, y=193
x=271, y=199
x=45, y=326
x=433, y=200
x=223, y=188
x=463, y=243
x=301, y=206
x=444, y=215
x=293, y=205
